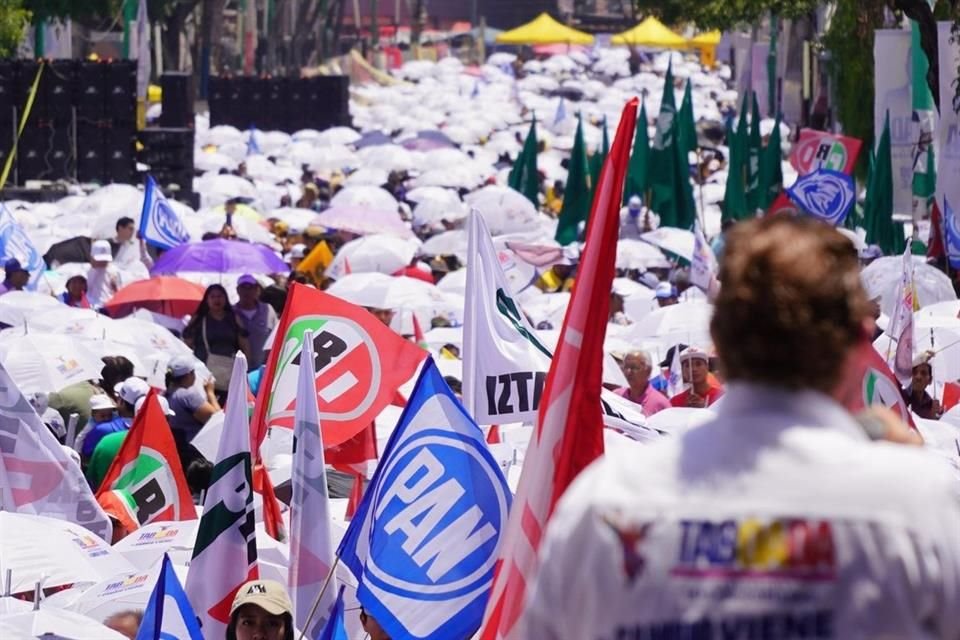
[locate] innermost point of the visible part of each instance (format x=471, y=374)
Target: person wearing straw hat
x=261, y=610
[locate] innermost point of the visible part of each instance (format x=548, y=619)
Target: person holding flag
x=783, y=491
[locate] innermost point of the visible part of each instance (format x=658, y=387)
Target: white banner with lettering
x=891, y=56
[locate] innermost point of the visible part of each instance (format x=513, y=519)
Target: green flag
x=771, y=168
x=687, y=123
x=924, y=167
x=754, y=147
x=637, y=182
x=596, y=160
x=878, y=207
x=577, y=194
x=671, y=193
x=735, y=196
x=524, y=177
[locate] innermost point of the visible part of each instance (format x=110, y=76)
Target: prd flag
x=160, y=225
x=168, y=614
x=425, y=538
x=36, y=474
x=145, y=482
x=359, y=364
x=311, y=543
x=569, y=432
x=225, y=552
x=505, y=361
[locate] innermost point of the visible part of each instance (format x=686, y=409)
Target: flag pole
x=316, y=602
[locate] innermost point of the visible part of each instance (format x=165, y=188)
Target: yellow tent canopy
x=544, y=30
x=650, y=33
x=706, y=39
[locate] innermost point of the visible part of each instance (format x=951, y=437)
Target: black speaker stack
x=279, y=104
x=81, y=125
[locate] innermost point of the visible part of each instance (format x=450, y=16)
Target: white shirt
x=778, y=516
x=102, y=283
x=130, y=253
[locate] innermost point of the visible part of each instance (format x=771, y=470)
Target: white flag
x=160, y=224
x=225, y=553
x=36, y=474
x=311, y=543
x=505, y=361
x=901, y=325
x=703, y=267
x=675, y=377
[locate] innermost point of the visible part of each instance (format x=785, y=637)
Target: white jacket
x=779, y=519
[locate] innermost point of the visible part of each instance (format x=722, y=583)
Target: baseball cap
x=100, y=401
x=164, y=405
x=100, y=251
x=665, y=290
x=298, y=250
x=668, y=361
x=634, y=201
x=131, y=389
x=269, y=595
x=247, y=279
x=692, y=353
x=12, y=266
x=181, y=365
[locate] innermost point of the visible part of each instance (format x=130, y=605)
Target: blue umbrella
x=220, y=256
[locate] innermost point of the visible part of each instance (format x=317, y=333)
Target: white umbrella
x=380, y=291
x=144, y=547
x=366, y=176
x=338, y=135
x=504, y=210
x=54, y=552
x=882, y=278
x=446, y=243
x=677, y=241
x=379, y=253
x=46, y=362
x=677, y=420
x=366, y=196
x=549, y=308
x=949, y=308
x=18, y=306
x=388, y=157
x=686, y=322
x=48, y=622
x=635, y=254
x=116, y=594
x=294, y=217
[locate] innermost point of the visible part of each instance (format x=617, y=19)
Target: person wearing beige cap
x=261, y=610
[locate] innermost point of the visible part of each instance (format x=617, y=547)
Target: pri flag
x=160, y=225
x=225, y=552
x=16, y=243
x=871, y=383
x=311, y=543
x=145, y=482
x=36, y=475
x=426, y=535
x=820, y=150
x=569, y=432
x=824, y=194
x=505, y=361
x=359, y=364
x=169, y=614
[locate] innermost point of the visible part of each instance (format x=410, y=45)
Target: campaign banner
x=824, y=194
x=893, y=95
x=948, y=130
x=821, y=150
x=160, y=225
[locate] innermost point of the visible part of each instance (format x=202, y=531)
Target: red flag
x=493, y=435
x=272, y=516
x=782, y=204
x=935, y=248
x=951, y=395
x=569, y=432
x=356, y=495
x=360, y=363
x=145, y=482
x=821, y=149
x=870, y=382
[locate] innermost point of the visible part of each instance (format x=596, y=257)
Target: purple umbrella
x=363, y=221
x=220, y=256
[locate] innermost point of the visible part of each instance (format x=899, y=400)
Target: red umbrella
x=168, y=295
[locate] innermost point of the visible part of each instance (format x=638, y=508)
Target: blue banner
x=169, y=615
x=824, y=194
x=15, y=243
x=951, y=232
x=425, y=537
x=160, y=225
x=335, y=629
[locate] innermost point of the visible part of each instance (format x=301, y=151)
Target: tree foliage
x=723, y=14
x=13, y=20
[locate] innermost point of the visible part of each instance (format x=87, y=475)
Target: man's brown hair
x=791, y=304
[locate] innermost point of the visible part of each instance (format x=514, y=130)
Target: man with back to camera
x=779, y=518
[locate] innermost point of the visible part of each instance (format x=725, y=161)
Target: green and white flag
x=225, y=552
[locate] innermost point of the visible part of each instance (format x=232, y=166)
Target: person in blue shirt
x=103, y=421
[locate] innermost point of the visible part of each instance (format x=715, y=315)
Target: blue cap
x=12, y=266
